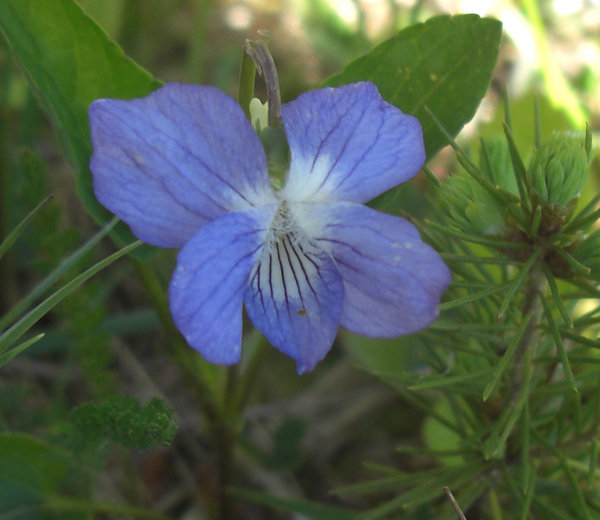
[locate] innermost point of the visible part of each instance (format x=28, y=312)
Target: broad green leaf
x=437, y=436
x=31, y=471
x=108, y=13
x=70, y=62
x=383, y=358
x=445, y=64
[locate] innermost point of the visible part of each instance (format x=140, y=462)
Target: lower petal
x=393, y=281
x=211, y=275
x=295, y=299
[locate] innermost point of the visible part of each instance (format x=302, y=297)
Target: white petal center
x=287, y=269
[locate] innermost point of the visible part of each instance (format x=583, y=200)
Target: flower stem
x=250, y=374
x=237, y=390
x=225, y=439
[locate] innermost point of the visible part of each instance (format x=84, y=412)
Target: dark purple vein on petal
x=291, y=264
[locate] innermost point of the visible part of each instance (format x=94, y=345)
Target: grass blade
x=41, y=288
x=17, y=231
x=11, y=335
x=8, y=356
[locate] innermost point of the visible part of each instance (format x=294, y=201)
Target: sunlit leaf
x=445, y=64
x=70, y=62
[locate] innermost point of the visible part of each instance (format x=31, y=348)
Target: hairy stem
x=530, y=339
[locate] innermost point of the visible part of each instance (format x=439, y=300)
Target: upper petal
x=347, y=143
x=295, y=299
x=393, y=281
x=170, y=162
x=211, y=275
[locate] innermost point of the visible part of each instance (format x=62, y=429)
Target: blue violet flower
x=184, y=168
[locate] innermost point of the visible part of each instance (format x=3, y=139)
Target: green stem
x=237, y=390
x=225, y=438
x=520, y=382
x=250, y=375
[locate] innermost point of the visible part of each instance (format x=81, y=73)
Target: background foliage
x=106, y=413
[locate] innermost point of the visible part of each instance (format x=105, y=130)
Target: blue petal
x=393, y=281
x=168, y=163
x=209, y=281
x=348, y=144
x=295, y=300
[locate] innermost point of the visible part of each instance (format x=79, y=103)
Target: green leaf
x=31, y=471
x=70, y=62
x=438, y=436
x=122, y=420
x=445, y=64
x=384, y=358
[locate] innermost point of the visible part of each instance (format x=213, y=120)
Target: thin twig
x=454, y=503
